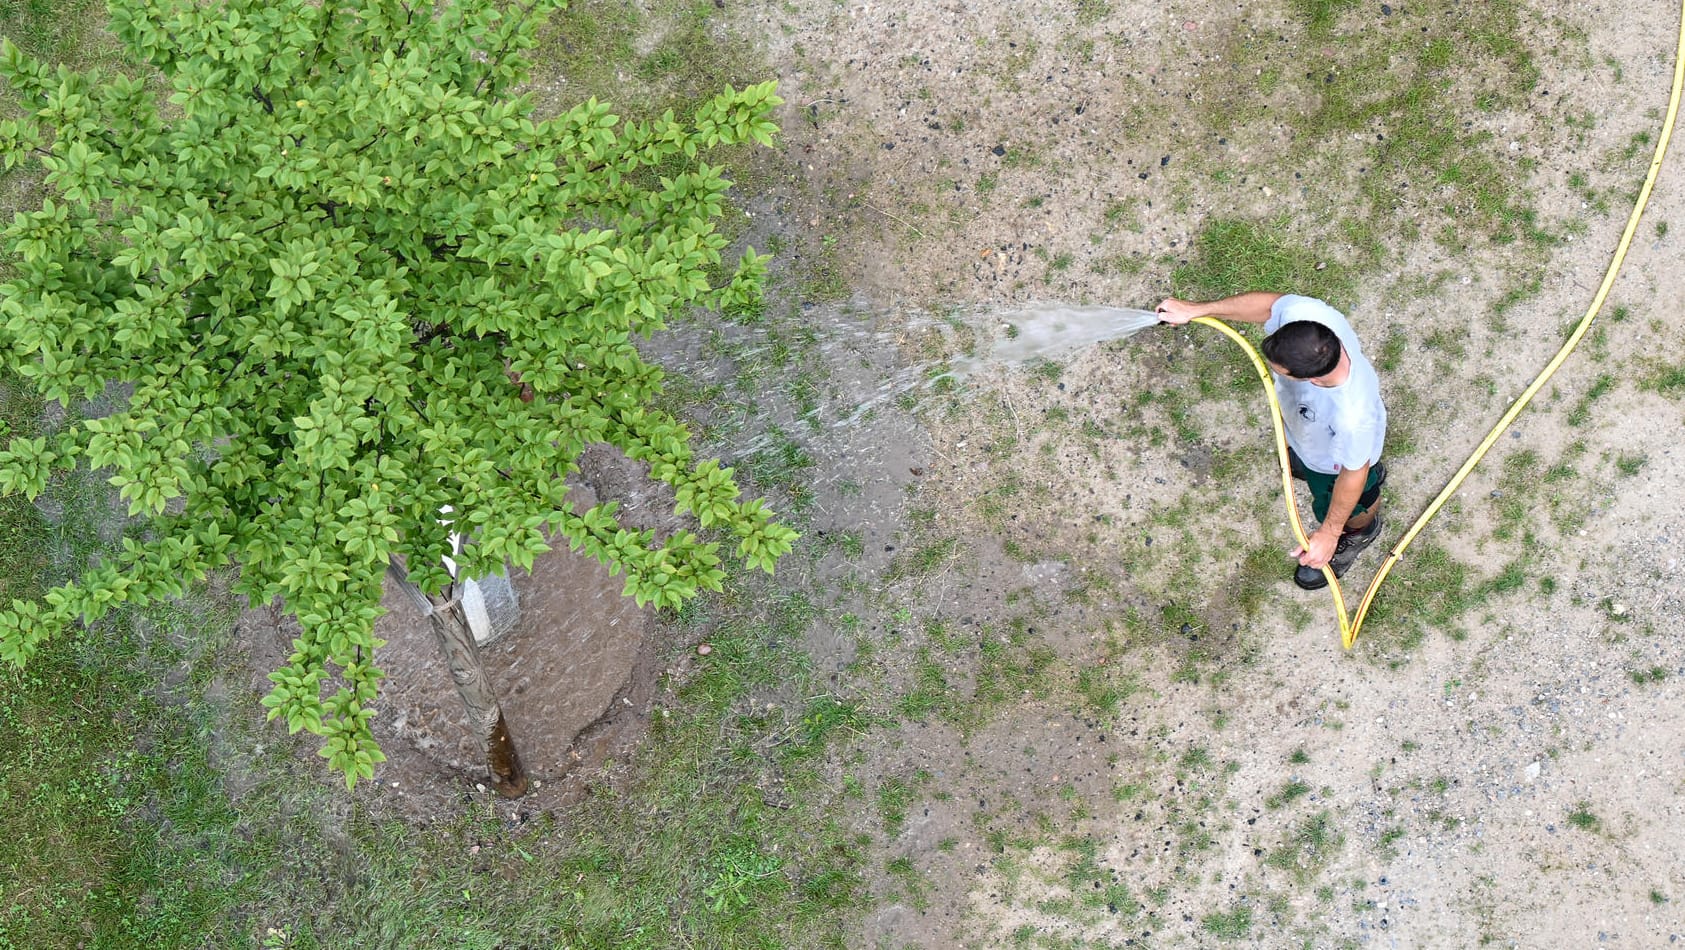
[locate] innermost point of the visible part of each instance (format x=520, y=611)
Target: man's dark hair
x=1305, y=348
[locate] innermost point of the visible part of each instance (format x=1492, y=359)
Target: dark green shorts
x=1322, y=486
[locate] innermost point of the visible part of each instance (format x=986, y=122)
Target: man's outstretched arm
x=1250, y=307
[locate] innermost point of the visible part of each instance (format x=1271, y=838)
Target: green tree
x=345, y=282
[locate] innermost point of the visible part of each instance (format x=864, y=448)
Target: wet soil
x=575, y=674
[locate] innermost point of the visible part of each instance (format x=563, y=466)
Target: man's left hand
x=1321, y=549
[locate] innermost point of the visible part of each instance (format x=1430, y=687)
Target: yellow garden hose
x=1351, y=624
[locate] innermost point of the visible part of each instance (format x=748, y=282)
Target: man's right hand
x=1177, y=312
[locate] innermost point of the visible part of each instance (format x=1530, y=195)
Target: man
x=1331, y=407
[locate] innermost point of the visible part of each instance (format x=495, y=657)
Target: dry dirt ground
x=1118, y=722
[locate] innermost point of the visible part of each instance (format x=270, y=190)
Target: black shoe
x=1346, y=551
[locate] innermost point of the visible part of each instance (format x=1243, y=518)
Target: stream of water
x=1013, y=341
x=862, y=355
x=1054, y=332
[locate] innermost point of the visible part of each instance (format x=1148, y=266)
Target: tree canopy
x=344, y=280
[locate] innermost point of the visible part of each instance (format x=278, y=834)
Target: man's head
x=1304, y=348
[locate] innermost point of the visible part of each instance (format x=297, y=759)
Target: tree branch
x=378, y=135
x=496, y=61
x=409, y=20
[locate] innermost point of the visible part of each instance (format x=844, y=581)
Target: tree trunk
x=462, y=655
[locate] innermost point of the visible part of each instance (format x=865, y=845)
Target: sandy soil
x=1514, y=777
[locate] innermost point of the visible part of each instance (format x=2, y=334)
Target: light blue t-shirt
x=1336, y=427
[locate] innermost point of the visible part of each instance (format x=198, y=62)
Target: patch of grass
x=922, y=561
x=915, y=886
x=1388, y=106
x=88, y=756
x=1232, y=255
x=1089, y=12
x=1581, y=413
x=1667, y=380
x=587, y=50
x=780, y=463
x=1432, y=595
x=931, y=692
x=24, y=535
x=1320, y=15
x=1630, y=465
x=1289, y=793
x=1104, y=689
x=1309, y=848
x=824, y=717
x=588, y=44
x=1008, y=668
x=1522, y=290
x=1229, y=925
x=1582, y=817
x=1196, y=757
x=742, y=875
x=895, y=795
x=1512, y=577
x=1021, y=156
x=1124, y=213
x=822, y=275
x=1260, y=573
x=57, y=31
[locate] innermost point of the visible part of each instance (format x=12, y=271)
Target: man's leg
x=1368, y=503
x=1359, y=522
x=1360, y=530
x=1322, y=495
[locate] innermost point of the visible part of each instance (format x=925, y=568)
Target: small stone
x=1533, y=770
x=703, y=649
x=998, y=150
x=1386, y=9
